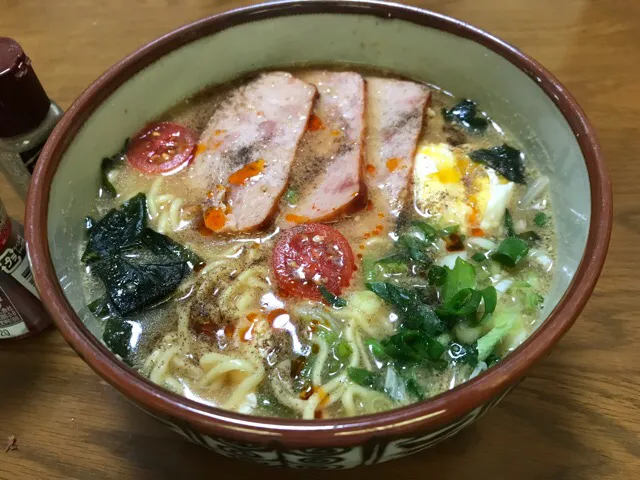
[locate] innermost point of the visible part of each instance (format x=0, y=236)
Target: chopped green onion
x=375, y=348
x=415, y=248
x=490, y=297
x=292, y=196
x=511, y=251
x=508, y=224
x=429, y=232
x=437, y=275
x=540, y=219
x=343, y=350
x=332, y=299
x=478, y=257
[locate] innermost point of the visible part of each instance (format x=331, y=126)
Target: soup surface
x=317, y=244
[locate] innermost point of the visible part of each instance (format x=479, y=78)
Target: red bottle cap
x=23, y=102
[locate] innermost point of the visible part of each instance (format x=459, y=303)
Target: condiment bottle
x=21, y=313
x=27, y=115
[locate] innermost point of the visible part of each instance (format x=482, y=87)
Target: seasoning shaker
x=21, y=313
x=27, y=115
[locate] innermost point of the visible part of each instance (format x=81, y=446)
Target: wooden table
x=576, y=417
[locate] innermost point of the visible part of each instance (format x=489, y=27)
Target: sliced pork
x=327, y=177
x=244, y=156
x=395, y=112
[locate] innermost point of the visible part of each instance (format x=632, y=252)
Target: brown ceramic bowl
x=418, y=44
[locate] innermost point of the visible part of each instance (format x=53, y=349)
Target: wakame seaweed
x=138, y=266
x=505, y=160
x=108, y=164
x=465, y=113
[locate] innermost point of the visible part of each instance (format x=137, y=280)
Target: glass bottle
x=27, y=116
x=21, y=313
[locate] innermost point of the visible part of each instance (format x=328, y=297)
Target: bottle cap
x=23, y=102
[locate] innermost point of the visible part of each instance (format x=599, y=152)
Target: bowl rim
x=265, y=431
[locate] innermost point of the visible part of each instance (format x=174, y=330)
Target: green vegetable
x=415, y=248
x=138, y=267
x=530, y=237
x=508, y=224
x=506, y=160
x=117, y=230
x=540, y=219
x=375, y=348
x=108, y=164
x=413, y=346
x=414, y=313
x=462, y=304
x=463, y=275
x=437, y=275
x=478, y=257
x=466, y=302
x=511, y=251
x=292, y=196
x=529, y=298
x=133, y=285
x=429, y=232
x=502, y=325
x=332, y=299
x=365, y=378
x=462, y=353
x=414, y=388
x=343, y=350
x=465, y=113
x=117, y=336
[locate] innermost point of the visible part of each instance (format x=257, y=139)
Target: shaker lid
x=23, y=102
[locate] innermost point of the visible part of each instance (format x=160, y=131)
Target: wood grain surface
x=576, y=417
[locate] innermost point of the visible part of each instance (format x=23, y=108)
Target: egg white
x=452, y=190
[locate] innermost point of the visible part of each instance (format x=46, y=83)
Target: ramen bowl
x=418, y=44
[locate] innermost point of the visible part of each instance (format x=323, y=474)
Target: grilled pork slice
x=244, y=156
x=395, y=112
x=327, y=176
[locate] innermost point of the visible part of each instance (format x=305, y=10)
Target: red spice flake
x=250, y=170
x=315, y=123
x=366, y=235
x=306, y=392
x=361, y=246
x=252, y=317
x=219, y=132
x=215, y=219
x=379, y=227
x=359, y=255
x=201, y=147
x=370, y=169
x=336, y=133
x=229, y=329
x=273, y=314
x=290, y=217
x=380, y=215
x=477, y=232
x=393, y=163
x=204, y=328
x=454, y=243
x=369, y=205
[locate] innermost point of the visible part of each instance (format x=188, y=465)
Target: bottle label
x=11, y=322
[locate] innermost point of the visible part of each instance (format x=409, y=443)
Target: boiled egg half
x=451, y=189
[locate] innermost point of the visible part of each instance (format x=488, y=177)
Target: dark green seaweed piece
x=505, y=160
x=332, y=299
x=117, y=230
x=462, y=353
x=465, y=113
x=162, y=245
x=133, y=286
x=117, y=336
x=108, y=164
